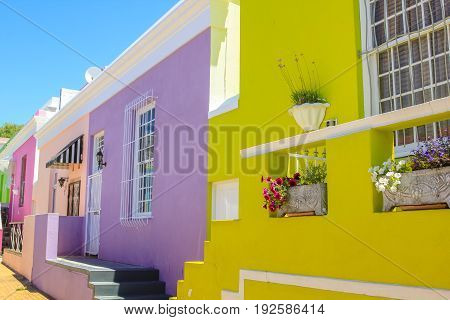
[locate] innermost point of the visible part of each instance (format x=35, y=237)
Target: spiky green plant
x=304, y=86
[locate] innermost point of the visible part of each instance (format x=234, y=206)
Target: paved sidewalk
x=16, y=287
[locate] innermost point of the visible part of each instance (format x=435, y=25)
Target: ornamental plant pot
x=306, y=198
x=309, y=116
x=422, y=187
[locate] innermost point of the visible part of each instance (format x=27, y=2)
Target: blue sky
x=33, y=66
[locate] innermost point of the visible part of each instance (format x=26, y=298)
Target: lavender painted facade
x=56, y=235
x=176, y=231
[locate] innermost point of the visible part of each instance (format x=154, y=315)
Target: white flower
x=381, y=171
x=393, y=189
x=397, y=175
x=374, y=177
x=389, y=174
x=383, y=181
x=381, y=188
x=402, y=162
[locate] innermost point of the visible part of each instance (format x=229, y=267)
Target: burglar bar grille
x=137, y=169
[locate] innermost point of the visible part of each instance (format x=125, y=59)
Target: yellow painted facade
x=354, y=242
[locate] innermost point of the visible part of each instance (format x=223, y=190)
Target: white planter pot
x=309, y=116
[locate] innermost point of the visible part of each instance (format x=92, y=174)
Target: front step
x=124, y=275
x=125, y=289
x=116, y=281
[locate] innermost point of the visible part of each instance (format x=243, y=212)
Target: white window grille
x=99, y=142
x=406, y=60
x=138, y=159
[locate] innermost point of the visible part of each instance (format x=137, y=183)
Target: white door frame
x=93, y=199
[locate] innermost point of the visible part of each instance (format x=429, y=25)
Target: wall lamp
x=100, y=162
x=62, y=180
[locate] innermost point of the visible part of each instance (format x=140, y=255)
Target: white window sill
x=405, y=151
x=142, y=216
x=226, y=220
x=226, y=106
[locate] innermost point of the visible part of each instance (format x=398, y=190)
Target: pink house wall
x=43, y=192
x=17, y=212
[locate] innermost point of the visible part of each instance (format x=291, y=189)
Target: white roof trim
x=28, y=130
x=432, y=108
x=182, y=23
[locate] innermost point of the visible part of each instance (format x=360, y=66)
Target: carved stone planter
x=422, y=187
x=311, y=198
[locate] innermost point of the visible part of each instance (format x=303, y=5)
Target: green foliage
x=9, y=130
x=299, y=97
x=314, y=173
x=303, y=81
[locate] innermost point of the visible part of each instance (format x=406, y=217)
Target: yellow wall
x=257, y=290
x=354, y=241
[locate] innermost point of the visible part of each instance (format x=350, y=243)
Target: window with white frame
x=138, y=159
x=99, y=142
x=225, y=200
x=144, y=157
x=23, y=173
x=407, y=60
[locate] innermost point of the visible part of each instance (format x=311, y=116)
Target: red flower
x=297, y=176
x=279, y=181
x=292, y=182
x=266, y=197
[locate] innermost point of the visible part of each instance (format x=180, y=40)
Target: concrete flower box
x=308, y=198
x=422, y=187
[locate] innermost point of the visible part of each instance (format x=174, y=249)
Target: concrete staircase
x=133, y=284
x=117, y=281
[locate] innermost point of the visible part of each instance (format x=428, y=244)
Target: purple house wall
x=176, y=231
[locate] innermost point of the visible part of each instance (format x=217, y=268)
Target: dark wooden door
x=73, y=205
